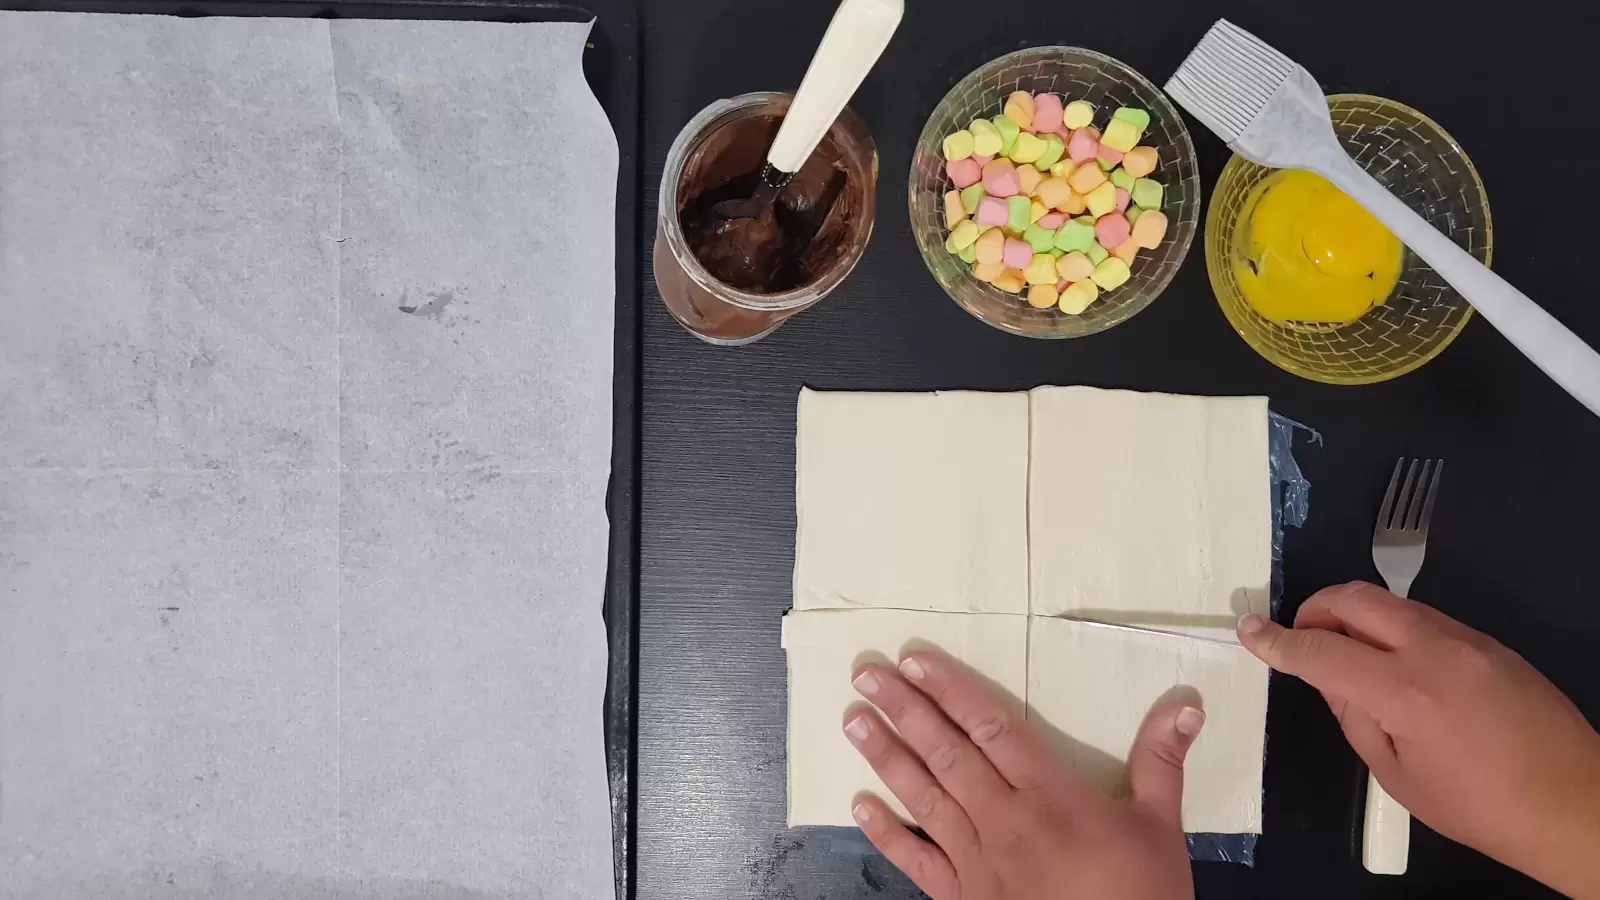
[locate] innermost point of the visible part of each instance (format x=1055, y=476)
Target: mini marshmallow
x=1077, y=114
x=1102, y=199
x=982, y=159
x=1108, y=158
x=968, y=254
x=991, y=247
x=1126, y=251
x=1011, y=281
x=1077, y=297
x=1132, y=215
x=1112, y=230
x=1063, y=168
x=953, y=212
x=1075, y=235
x=1146, y=193
x=1123, y=199
x=1122, y=179
x=963, y=172
x=1083, y=147
x=1149, y=229
x=970, y=197
x=1008, y=131
x=1096, y=253
x=1019, y=108
x=1017, y=209
x=1041, y=239
x=992, y=211
x=1085, y=179
x=1074, y=205
x=1000, y=179
x=1138, y=118
x=1042, y=296
x=1140, y=161
x=1042, y=270
x=1028, y=179
x=1074, y=266
x=958, y=145
x=1053, y=148
x=1017, y=254
x=1110, y=273
x=987, y=272
x=1053, y=192
x=1036, y=211
x=1120, y=135
x=1047, y=113
x=961, y=236
x=1052, y=221
x=1028, y=148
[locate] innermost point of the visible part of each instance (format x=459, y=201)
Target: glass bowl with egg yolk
x=1314, y=283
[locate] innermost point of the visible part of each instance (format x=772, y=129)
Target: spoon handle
x=855, y=39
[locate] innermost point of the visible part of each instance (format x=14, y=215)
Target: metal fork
x=1398, y=543
x=1401, y=536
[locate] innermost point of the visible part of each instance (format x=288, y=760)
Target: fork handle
x=1551, y=346
x=1385, y=832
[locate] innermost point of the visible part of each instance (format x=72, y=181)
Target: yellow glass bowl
x=1414, y=158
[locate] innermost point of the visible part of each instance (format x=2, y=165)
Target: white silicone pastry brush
x=856, y=37
x=1271, y=111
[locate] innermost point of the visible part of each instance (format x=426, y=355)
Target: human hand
x=1455, y=726
x=1007, y=820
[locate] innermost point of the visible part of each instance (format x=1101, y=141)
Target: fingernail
x=1249, y=624
x=866, y=683
x=856, y=728
x=861, y=813
x=912, y=669
x=1190, y=721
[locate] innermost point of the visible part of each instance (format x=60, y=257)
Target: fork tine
x=1426, y=514
x=1390, y=495
x=1408, y=490
x=1412, y=518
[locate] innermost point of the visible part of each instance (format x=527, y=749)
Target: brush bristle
x=1228, y=78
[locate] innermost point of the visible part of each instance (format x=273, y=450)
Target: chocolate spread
x=799, y=240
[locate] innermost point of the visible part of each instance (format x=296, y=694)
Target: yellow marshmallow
x=1042, y=270
x=1077, y=114
x=1111, y=273
x=1077, y=297
x=1028, y=148
x=1102, y=199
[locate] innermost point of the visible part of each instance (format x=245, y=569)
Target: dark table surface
x=1513, y=537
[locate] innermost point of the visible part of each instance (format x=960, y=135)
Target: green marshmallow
x=1105, y=165
x=1008, y=134
x=1075, y=235
x=1146, y=194
x=1017, y=210
x=1053, y=148
x=1096, y=253
x=970, y=198
x=1120, y=178
x=1138, y=118
x=1133, y=214
x=1057, y=252
x=1040, y=239
x=968, y=254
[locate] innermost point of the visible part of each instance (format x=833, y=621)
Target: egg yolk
x=1312, y=253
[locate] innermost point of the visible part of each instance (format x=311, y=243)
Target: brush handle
x=1385, y=832
x=855, y=39
x=1551, y=346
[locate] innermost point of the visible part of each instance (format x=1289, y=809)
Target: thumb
x=1333, y=663
x=1155, y=764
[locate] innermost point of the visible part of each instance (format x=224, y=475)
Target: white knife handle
x=854, y=41
x=1385, y=833
x=1551, y=346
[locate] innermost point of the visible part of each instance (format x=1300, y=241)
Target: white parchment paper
x=305, y=380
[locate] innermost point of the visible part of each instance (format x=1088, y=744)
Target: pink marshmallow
x=1065, y=134
x=1111, y=230
x=1047, y=111
x=1000, y=179
x=991, y=211
x=964, y=172
x=1122, y=200
x=1052, y=221
x=1062, y=285
x=1110, y=154
x=981, y=160
x=1083, y=147
x=1017, y=255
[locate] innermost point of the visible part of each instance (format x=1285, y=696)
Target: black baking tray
x=611, y=66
